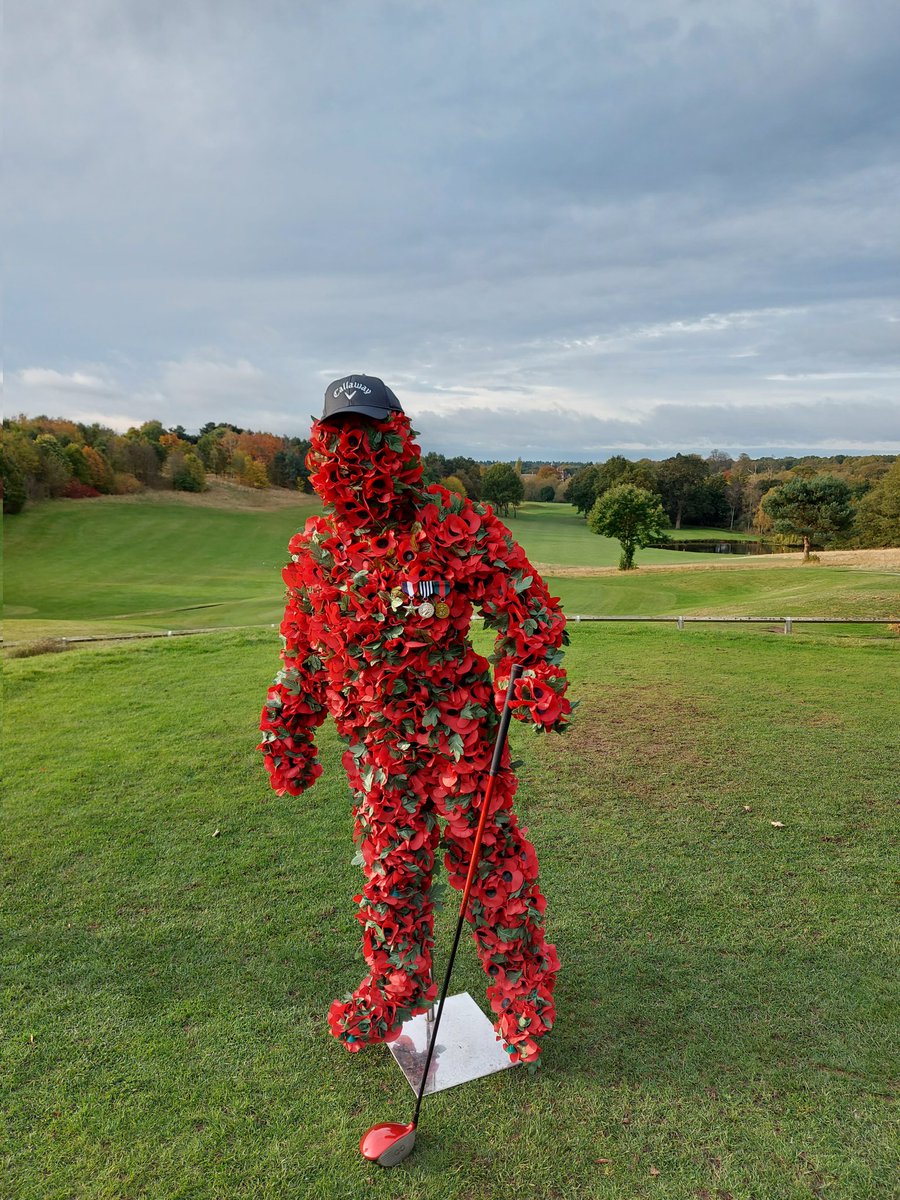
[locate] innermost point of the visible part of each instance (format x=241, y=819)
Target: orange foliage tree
x=262, y=446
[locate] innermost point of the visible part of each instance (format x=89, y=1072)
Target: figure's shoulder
x=447, y=515
x=466, y=527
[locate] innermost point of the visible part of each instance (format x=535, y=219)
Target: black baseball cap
x=359, y=395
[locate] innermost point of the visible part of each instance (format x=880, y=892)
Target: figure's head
x=363, y=460
x=360, y=396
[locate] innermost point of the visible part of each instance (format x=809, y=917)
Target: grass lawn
x=809, y=591
x=727, y=1005
x=117, y=566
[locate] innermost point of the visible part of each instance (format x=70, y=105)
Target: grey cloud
x=485, y=198
x=823, y=426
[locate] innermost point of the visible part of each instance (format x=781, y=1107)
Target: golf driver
x=390, y=1142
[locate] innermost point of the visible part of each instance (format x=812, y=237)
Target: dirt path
x=865, y=560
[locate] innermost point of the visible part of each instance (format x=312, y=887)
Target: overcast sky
x=556, y=230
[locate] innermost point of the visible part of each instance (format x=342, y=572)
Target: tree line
x=720, y=492
x=50, y=457
x=47, y=457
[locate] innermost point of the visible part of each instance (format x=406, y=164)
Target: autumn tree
x=99, y=471
x=632, y=515
x=211, y=447
x=80, y=470
x=187, y=473
x=134, y=456
x=171, y=441
x=261, y=446
x=454, y=484
x=818, y=507
x=254, y=473
x=437, y=467
x=878, y=514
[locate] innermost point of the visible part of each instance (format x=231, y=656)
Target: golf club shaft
x=502, y=731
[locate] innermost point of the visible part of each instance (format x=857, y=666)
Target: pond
x=724, y=546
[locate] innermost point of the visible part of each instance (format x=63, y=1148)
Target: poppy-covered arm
x=295, y=705
x=531, y=628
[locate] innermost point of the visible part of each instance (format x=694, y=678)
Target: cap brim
x=358, y=410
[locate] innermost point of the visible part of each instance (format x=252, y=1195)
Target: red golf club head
x=388, y=1143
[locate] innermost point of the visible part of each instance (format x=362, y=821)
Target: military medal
x=424, y=590
x=441, y=608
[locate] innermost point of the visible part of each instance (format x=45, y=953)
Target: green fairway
x=82, y=567
x=556, y=534
x=726, y=1007
x=760, y=592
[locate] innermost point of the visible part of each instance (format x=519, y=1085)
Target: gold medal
x=442, y=610
x=426, y=609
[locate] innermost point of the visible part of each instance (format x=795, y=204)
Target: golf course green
x=716, y=835
x=76, y=567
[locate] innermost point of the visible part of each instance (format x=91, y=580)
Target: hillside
x=153, y=561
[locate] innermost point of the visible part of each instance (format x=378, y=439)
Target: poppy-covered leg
x=395, y=908
x=506, y=911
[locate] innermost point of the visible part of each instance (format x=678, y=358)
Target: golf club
x=390, y=1142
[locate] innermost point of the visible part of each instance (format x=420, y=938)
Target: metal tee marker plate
x=467, y=1046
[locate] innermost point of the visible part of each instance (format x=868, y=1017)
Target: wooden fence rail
x=787, y=622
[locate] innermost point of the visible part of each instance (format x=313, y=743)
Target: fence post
x=788, y=625
x=680, y=622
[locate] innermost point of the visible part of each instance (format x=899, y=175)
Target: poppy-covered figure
x=380, y=595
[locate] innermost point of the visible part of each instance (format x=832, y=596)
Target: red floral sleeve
x=295, y=704
x=531, y=628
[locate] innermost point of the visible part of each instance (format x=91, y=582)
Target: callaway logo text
x=349, y=386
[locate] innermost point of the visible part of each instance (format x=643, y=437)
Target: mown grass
x=763, y=592
x=726, y=1004
x=82, y=567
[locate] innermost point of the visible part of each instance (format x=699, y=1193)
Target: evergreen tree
x=810, y=508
